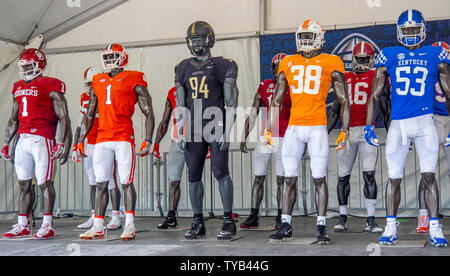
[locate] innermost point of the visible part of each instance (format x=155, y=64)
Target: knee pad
x=370, y=186
x=343, y=189
x=221, y=171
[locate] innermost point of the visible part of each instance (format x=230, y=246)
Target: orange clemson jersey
x=116, y=102
x=84, y=103
x=309, y=81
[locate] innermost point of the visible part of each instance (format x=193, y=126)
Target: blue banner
x=341, y=42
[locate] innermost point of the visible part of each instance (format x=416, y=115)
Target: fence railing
x=151, y=182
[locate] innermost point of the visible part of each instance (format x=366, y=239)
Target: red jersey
x=171, y=96
x=36, y=113
x=116, y=101
x=359, y=91
x=266, y=90
x=84, y=103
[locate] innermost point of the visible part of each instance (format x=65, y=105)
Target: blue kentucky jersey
x=440, y=102
x=413, y=75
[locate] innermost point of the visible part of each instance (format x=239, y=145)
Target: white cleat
x=390, y=235
x=437, y=238
x=17, y=231
x=114, y=223
x=93, y=233
x=86, y=225
x=45, y=232
x=128, y=232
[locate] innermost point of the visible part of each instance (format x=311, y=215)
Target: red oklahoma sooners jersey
x=359, y=91
x=116, y=101
x=266, y=90
x=36, y=113
x=84, y=103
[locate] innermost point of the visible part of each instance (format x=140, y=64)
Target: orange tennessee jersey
x=84, y=103
x=116, y=101
x=309, y=81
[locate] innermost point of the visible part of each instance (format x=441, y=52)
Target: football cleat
x=169, y=222
x=390, y=235
x=128, y=232
x=437, y=238
x=115, y=223
x=322, y=235
x=284, y=233
x=17, y=231
x=86, y=225
x=198, y=230
x=228, y=230
x=422, y=224
x=251, y=222
x=372, y=226
x=93, y=233
x=342, y=224
x=45, y=232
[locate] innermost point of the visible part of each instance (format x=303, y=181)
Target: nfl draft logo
x=345, y=47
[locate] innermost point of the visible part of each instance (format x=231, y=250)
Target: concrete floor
x=150, y=241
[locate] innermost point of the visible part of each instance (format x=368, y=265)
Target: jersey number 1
x=108, y=94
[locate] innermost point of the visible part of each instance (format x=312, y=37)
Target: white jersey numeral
x=440, y=97
x=25, y=105
x=305, y=77
x=406, y=80
x=108, y=94
x=360, y=97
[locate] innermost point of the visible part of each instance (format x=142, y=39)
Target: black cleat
x=169, y=222
x=251, y=222
x=372, y=226
x=341, y=226
x=284, y=233
x=228, y=230
x=198, y=230
x=322, y=235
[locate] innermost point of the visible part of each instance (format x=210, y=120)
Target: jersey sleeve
x=382, y=59
x=138, y=78
x=227, y=68
x=178, y=73
x=338, y=65
x=443, y=56
x=282, y=67
x=55, y=85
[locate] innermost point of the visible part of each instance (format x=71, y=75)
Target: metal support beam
x=262, y=16
x=81, y=18
x=148, y=43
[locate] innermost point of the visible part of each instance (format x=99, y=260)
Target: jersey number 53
x=403, y=75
